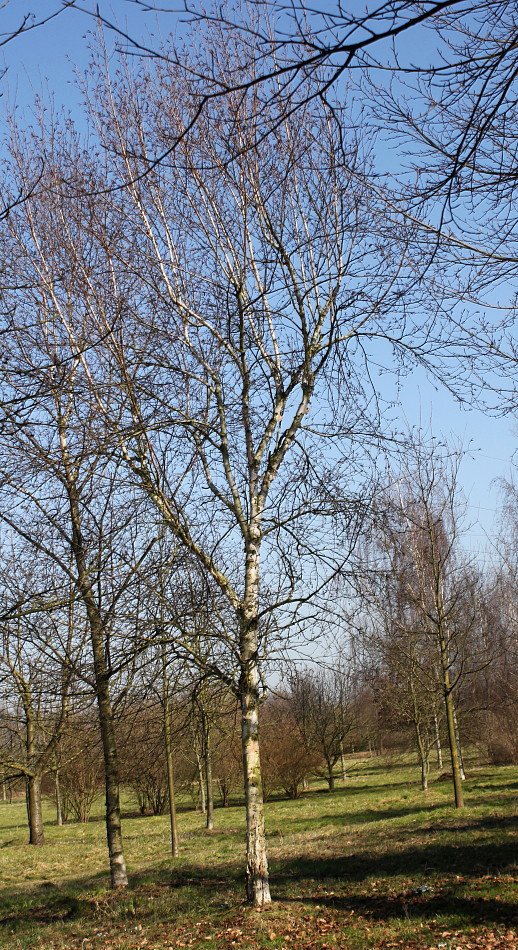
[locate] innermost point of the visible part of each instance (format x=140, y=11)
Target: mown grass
x=374, y=864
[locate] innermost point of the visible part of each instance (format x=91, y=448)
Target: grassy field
x=374, y=864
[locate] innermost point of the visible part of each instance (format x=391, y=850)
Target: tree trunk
x=438, y=742
x=207, y=754
x=59, y=815
x=425, y=770
x=330, y=777
x=36, y=834
x=118, y=874
x=257, y=884
x=33, y=781
x=4, y=792
x=201, y=781
x=169, y=760
x=450, y=722
x=342, y=763
x=424, y=758
x=459, y=746
x=256, y=879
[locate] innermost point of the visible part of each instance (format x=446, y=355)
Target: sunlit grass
x=374, y=863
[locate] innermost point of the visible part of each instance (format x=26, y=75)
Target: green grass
x=374, y=864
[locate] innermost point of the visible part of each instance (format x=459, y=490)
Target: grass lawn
x=374, y=864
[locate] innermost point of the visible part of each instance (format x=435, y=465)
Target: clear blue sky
x=45, y=60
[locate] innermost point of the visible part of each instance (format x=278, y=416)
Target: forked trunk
x=455, y=765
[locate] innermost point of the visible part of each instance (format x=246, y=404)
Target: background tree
x=425, y=594
x=321, y=705
x=81, y=773
x=61, y=491
x=39, y=654
x=288, y=761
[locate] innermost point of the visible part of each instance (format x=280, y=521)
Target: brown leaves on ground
x=282, y=930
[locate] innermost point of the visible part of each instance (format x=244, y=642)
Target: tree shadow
x=469, y=860
x=471, y=911
x=349, y=819
x=56, y=908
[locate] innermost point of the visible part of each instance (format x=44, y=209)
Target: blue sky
x=45, y=61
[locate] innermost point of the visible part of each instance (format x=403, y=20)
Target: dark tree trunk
x=450, y=723
x=169, y=760
x=438, y=743
x=118, y=874
x=36, y=833
x=207, y=756
x=59, y=815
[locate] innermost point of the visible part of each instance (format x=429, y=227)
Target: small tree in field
x=81, y=774
x=321, y=705
x=39, y=647
x=424, y=601
x=287, y=760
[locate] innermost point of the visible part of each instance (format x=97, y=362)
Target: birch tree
x=257, y=282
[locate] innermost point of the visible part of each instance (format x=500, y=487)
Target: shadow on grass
x=56, y=908
x=189, y=886
x=470, y=860
x=435, y=863
x=419, y=809
x=470, y=912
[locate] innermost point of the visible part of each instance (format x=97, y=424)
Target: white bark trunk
x=257, y=885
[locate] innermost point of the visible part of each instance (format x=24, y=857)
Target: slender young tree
x=321, y=705
x=424, y=598
x=61, y=491
x=37, y=674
